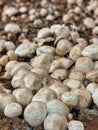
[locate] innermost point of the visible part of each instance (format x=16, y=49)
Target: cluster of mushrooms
x=51, y=83
x=60, y=72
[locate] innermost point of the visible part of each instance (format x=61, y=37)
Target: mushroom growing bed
x=49, y=65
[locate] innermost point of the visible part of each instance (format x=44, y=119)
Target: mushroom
x=55, y=121
x=13, y=110
x=35, y=113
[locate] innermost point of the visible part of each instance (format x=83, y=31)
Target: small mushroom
x=12, y=27
x=75, y=125
x=84, y=64
x=32, y=81
x=44, y=95
x=42, y=61
x=60, y=63
x=70, y=99
x=59, y=89
x=55, y=121
x=73, y=83
x=18, y=78
x=56, y=105
x=60, y=74
x=63, y=47
x=35, y=113
x=13, y=110
x=84, y=98
x=23, y=96
x=6, y=99
x=92, y=75
x=76, y=74
x=91, y=51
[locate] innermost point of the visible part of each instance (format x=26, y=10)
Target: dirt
x=18, y=123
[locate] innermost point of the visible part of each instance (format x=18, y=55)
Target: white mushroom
x=10, y=65
x=16, y=67
x=63, y=47
x=13, y=110
x=12, y=27
x=42, y=61
x=75, y=125
x=70, y=99
x=84, y=64
x=4, y=60
x=9, y=45
x=45, y=49
x=6, y=99
x=60, y=74
x=73, y=83
x=89, y=22
x=91, y=51
x=60, y=30
x=92, y=75
x=35, y=113
x=18, y=78
x=44, y=95
x=84, y=97
x=44, y=32
x=23, y=49
x=32, y=81
x=10, y=11
x=59, y=89
x=55, y=121
x=23, y=96
x=56, y=105
x=92, y=87
x=76, y=74
x=60, y=63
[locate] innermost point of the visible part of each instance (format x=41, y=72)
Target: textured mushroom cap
x=23, y=96
x=84, y=97
x=91, y=51
x=12, y=27
x=56, y=105
x=55, y=121
x=35, y=113
x=75, y=125
x=70, y=99
x=6, y=99
x=44, y=95
x=84, y=64
x=13, y=110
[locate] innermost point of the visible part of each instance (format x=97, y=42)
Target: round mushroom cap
x=35, y=113
x=13, y=110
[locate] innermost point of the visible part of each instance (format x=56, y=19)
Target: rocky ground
x=57, y=12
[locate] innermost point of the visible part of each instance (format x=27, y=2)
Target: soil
x=18, y=123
